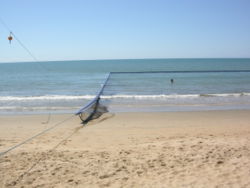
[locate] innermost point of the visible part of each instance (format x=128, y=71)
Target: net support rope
x=17, y=39
x=29, y=52
x=94, y=102
x=198, y=71
x=35, y=136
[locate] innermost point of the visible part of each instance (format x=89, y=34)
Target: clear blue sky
x=111, y=29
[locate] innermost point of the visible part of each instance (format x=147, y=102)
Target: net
x=174, y=89
x=93, y=109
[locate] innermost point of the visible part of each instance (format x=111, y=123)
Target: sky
x=125, y=29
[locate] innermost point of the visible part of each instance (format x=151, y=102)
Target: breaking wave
x=120, y=96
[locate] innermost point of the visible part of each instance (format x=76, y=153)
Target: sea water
x=66, y=86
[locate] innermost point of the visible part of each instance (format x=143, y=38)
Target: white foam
x=174, y=96
x=226, y=95
x=46, y=97
x=89, y=97
x=12, y=108
x=146, y=96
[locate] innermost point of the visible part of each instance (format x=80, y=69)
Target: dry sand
x=172, y=149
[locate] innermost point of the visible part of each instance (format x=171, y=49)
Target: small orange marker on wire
x=10, y=37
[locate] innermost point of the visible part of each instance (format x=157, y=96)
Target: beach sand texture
x=168, y=149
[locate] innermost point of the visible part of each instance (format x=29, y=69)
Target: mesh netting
x=93, y=112
x=167, y=90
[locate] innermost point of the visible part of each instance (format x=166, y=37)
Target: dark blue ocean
x=65, y=86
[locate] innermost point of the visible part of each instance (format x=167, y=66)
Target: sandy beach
x=161, y=149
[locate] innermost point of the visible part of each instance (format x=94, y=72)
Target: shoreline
x=158, y=149
x=126, y=103
x=123, y=112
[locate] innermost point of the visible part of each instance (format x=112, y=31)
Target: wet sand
x=167, y=149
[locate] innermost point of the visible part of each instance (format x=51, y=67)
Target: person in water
x=172, y=80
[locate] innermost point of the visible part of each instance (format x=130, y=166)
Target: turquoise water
x=65, y=86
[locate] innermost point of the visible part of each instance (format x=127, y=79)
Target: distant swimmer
x=172, y=80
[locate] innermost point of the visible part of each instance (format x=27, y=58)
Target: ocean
x=66, y=86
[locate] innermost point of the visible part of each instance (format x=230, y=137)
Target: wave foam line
x=23, y=108
x=89, y=97
x=174, y=96
x=46, y=97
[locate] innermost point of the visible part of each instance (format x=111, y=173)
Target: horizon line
x=110, y=59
